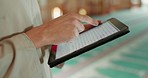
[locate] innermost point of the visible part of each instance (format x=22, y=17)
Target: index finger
x=87, y=19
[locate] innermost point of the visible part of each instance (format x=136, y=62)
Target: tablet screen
x=91, y=36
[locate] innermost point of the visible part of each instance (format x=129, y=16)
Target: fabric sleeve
x=19, y=58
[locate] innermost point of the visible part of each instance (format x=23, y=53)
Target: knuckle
x=71, y=35
x=74, y=33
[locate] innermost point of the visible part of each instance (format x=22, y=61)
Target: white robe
x=18, y=56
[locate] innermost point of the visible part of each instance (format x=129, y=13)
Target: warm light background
x=54, y=8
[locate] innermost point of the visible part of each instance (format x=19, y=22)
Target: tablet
x=90, y=39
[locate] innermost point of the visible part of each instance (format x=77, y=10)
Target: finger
x=80, y=27
x=87, y=19
x=76, y=32
x=99, y=21
x=88, y=26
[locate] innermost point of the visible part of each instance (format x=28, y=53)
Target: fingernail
x=100, y=22
x=96, y=23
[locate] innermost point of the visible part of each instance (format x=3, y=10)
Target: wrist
x=35, y=36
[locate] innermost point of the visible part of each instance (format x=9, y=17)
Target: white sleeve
x=19, y=58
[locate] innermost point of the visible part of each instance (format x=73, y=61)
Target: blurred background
x=125, y=57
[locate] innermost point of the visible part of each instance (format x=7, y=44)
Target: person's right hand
x=59, y=30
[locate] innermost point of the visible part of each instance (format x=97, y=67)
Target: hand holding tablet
x=107, y=31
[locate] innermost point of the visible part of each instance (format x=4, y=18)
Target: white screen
x=86, y=38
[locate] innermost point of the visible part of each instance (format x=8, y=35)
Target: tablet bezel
x=121, y=26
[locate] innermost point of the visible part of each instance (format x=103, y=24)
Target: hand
x=59, y=30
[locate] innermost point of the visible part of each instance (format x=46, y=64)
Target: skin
x=60, y=30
